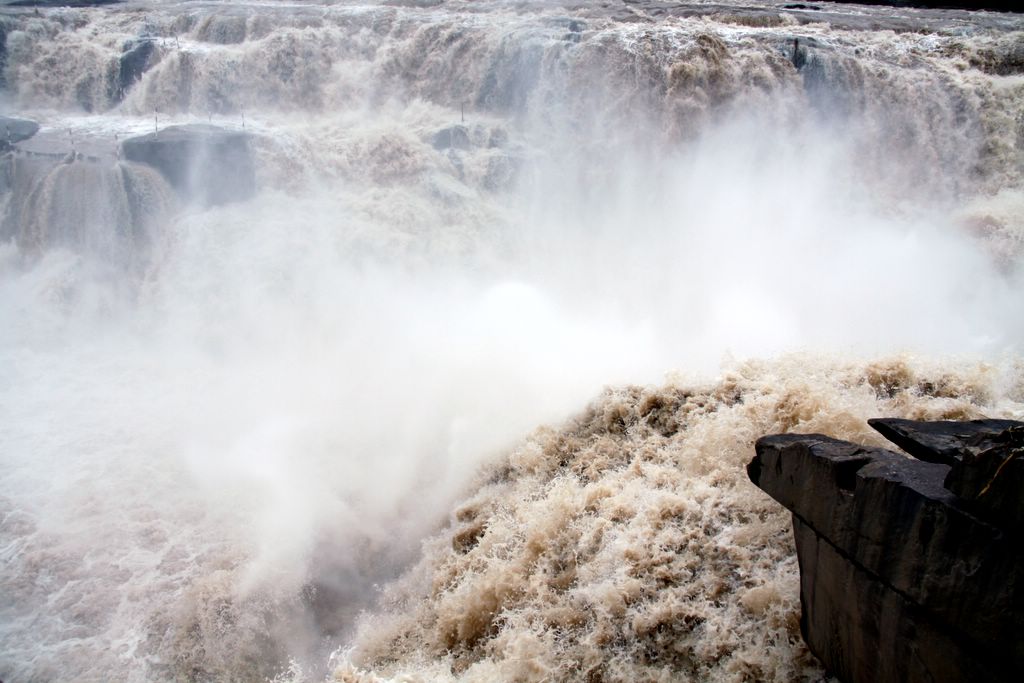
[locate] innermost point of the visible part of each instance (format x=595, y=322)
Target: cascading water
x=100, y=210
x=300, y=431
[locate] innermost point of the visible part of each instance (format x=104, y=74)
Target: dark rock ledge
x=202, y=163
x=910, y=569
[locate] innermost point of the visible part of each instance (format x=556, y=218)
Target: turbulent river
x=464, y=387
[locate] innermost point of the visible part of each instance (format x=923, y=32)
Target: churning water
x=464, y=391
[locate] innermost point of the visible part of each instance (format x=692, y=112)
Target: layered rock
x=944, y=442
x=901, y=578
x=202, y=163
x=985, y=457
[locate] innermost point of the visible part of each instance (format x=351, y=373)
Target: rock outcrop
x=452, y=137
x=910, y=569
x=944, y=442
x=138, y=56
x=203, y=163
x=15, y=130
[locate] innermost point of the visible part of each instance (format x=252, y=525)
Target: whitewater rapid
x=465, y=390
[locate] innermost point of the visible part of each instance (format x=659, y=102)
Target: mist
x=266, y=407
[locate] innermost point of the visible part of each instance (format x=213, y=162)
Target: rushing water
x=465, y=390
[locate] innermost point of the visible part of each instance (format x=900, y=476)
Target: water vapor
x=227, y=430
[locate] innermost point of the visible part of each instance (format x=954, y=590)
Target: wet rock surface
x=202, y=163
x=452, y=137
x=991, y=478
x=15, y=130
x=138, y=56
x=944, y=442
x=908, y=571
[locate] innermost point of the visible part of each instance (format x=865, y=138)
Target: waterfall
x=429, y=338
x=108, y=212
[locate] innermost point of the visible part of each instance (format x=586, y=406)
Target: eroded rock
x=900, y=578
